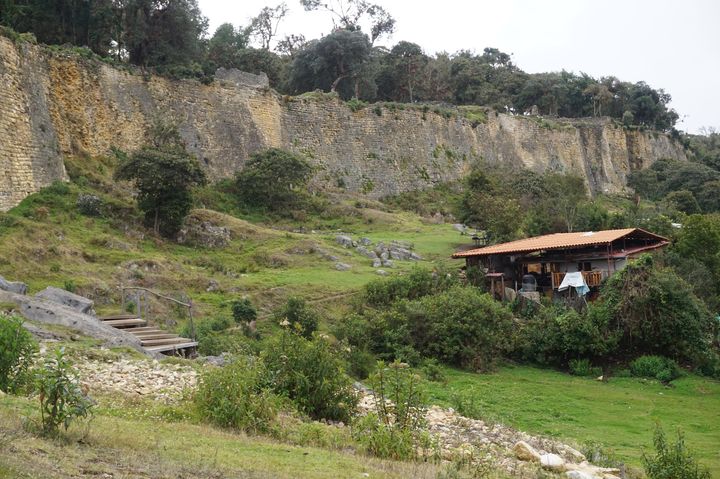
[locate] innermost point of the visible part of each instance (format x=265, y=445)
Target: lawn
x=620, y=414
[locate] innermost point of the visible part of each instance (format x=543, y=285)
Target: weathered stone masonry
x=53, y=105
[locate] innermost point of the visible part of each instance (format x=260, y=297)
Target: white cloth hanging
x=575, y=280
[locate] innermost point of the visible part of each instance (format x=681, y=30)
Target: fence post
x=192, y=325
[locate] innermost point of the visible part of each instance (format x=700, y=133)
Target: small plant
x=234, y=396
x=393, y=429
x=16, y=350
x=69, y=285
x=655, y=367
x=583, y=367
x=89, y=205
x=355, y=104
x=62, y=401
x=672, y=461
x=433, y=371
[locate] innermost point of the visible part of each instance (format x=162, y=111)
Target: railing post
x=192, y=325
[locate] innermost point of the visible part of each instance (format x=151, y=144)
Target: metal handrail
x=188, y=305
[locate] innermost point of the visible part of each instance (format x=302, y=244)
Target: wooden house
x=594, y=254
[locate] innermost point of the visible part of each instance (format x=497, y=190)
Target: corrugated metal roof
x=559, y=241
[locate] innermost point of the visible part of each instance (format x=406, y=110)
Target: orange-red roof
x=561, y=241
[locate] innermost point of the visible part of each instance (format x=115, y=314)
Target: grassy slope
x=620, y=414
x=265, y=260
x=137, y=448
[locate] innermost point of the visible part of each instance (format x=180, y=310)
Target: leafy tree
x=225, y=45
x=163, y=32
x=400, y=71
x=683, y=200
x=264, y=26
x=164, y=174
x=324, y=63
x=273, y=179
x=243, y=311
x=17, y=347
x=258, y=60
x=349, y=14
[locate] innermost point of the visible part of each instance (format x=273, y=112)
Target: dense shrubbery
x=298, y=317
x=237, y=396
x=17, y=347
x=312, y=375
x=655, y=367
x=382, y=293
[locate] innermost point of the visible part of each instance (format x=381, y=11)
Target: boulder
x=552, y=462
x=204, y=234
x=401, y=244
x=365, y=252
x=381, y=272
x=567, y=451
x=384, y=256
x=13, y=286
x=525, y=452
x=342, y=266
x=344, y=240
x=66, y=298
x=579, y=475
x=365, y=241
x=376, y=263
x=387, y=263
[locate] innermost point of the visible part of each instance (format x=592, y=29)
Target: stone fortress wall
x=56, y=104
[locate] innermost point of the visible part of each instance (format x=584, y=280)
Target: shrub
x=273, y=179
x=433, y=371
x=89, y=205
x=243, y=311
x=300, y=318
x=656, y=312
x=236, y=396
x=312, y=375
x=17, y=347
x=393, y=429
x=656, y=367
x=672, y=461
x=461, y=326
x=583, y=367
x=62, y=401
x=418, y=283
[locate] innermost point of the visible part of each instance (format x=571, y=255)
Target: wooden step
x=125, y=323
x=145, y=329
x=117, y=316
x=172, y=347
x=149, y=336
x=160, y=342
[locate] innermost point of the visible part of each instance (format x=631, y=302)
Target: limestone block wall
x=53, y=105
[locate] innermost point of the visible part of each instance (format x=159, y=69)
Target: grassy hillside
x=47, y=241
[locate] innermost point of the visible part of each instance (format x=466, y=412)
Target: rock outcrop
x=54, y=104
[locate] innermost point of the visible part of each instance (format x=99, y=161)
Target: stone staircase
x=152, y=339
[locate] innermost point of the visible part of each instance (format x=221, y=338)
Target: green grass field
x=620, y=414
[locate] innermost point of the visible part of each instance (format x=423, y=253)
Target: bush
x=298, y=316
x=89, y=205
x=433, y=371
x=672, y=461
x=583, y=367
x=236, y=396
x=312, y=375
x=393, y=429
x=243, y=311
x=419, y=282
x=17, y=347
x=62, y=401
x=273, y=179
x=655, y=367
x=461, y=326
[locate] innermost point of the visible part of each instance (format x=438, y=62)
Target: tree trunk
x=334, y=85
x=156, y=227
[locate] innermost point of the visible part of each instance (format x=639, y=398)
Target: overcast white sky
x=674, y=45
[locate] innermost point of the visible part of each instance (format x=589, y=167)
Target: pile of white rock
x=160, y=381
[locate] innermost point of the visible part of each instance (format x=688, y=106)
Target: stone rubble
x=152, y=379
